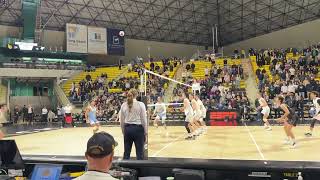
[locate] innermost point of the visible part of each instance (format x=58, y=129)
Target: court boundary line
x=255, y=142
x=166, y=146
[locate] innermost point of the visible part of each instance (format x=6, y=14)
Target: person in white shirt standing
x=314, y=96
x=196, y=86
x=44, y=113
x=292, y=72
x=265, y=111
x=99, y=155
x=160, y=112
x=291, y=88
x=284, y=89
x=206, y=71
x=188, y=111
x=30, y=114
x=134, y=125
x=203, y=112
x=196, y=116
x=68, y=115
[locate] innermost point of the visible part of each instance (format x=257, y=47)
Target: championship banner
x=97, y=40
x=116, y=44
x=77, y=38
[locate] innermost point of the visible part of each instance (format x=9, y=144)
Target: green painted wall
x=27, y=89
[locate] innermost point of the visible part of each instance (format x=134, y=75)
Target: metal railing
x=61, y=96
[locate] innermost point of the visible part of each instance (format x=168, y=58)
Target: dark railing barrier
x=212, y=169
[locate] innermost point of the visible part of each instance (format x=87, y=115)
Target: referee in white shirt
x=133, y=120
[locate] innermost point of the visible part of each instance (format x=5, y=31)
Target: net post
x=145, y=82
x=145, y=101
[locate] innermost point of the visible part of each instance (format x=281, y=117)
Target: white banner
x=97, y=40
x=77, y=38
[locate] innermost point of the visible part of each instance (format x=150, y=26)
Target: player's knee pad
x=186, y=125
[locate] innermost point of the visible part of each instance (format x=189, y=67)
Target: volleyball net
x=144, y=87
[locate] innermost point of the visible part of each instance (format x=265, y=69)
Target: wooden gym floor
x=238, y=142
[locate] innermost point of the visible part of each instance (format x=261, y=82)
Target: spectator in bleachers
x=188, y=67
x=151, y=66
x=193, y=67
x=206, y=71
x=225, y=62
x=120, y=64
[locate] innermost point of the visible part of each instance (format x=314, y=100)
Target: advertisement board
x=116, y=44
x=97, y=40
x=77, y=38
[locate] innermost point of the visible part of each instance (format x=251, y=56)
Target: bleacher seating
x=134, y=74
x=112, y=72
x=201, y=65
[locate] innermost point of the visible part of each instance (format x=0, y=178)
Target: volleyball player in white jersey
x=314, y=96
x=203, y=112
x=197, y=114
x=188, y=111
x=265, y=111
x=160, y=113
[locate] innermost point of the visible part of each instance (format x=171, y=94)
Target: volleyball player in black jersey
x=289, y=120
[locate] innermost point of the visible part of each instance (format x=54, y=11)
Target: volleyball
x=121, y=33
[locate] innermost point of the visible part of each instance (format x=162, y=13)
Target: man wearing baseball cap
x=99, y=154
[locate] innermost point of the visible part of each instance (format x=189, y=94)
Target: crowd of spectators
x=293, y=78
x=220, y=88
x=108, y=104
x=88, y=88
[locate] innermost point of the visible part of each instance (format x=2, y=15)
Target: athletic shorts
x=204, y=114
x=265, y=111
x=93, y=121
x=293, y=120
x=189, y=118
x=197, y=116
x=162, y=117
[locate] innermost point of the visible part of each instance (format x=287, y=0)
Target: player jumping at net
x=196, y=116
x=203, y=113
x=188, y=111
x=314, y=96
x=91, y=116
x=160, y=113
x=265, y=111
x=289, y=120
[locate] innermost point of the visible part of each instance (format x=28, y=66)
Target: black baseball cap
x=100, y=145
